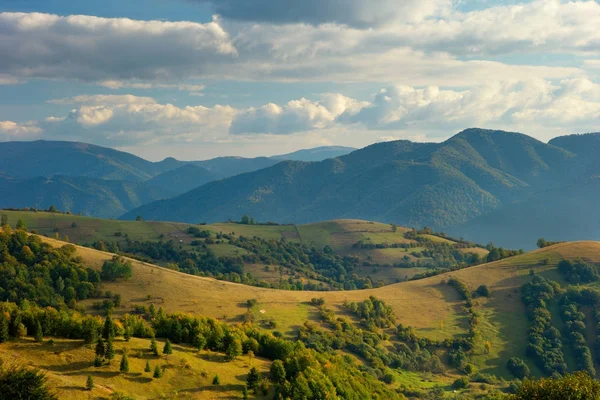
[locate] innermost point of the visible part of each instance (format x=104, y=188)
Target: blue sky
x=196, y=79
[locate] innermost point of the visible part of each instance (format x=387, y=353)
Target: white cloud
x=15, y=131
x=123, y=53
x=505, y=104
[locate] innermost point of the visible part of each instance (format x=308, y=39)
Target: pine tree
x=39, y=333
x=110, y=350
x=245, y=393
x=89, y=385
x=157, y=372
x=167, y=349
x=126, y=333
x=100, y=348
x=147, y=368
x=98, y=361
x=108, y=332
x=21, y=224
x=252, y=379
x=154, y=346
x=124, y=367
x=216, y=380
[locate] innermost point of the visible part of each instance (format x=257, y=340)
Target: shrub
x=518, y=368
x=461, y=383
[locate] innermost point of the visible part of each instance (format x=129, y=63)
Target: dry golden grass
x=187, y=373
x=422, y=304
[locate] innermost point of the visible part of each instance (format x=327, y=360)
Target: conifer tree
x=110, y=350
x=154, y=346
x=124, y=366
x=252, y=379
x=89, y=385
x=39, y=333
x=147, y=368
x=167, y=349
x=157, y=372
x=100, y=348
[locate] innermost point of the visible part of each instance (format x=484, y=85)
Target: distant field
x=340, y=235
x=187, y=373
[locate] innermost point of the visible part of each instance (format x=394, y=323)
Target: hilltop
x=376, y=253
x=443, y=185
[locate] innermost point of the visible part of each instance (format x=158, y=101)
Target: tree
x=245, y=220
x=139, y=218
x=278, y=374
x=52, y=209
x=577, y=386
x=518, y=368
x=18, y=382
x=109, y=330
x=167, y=349
x=541, y=243
x=110, y=350
x=216, y=380
x=21, y=224
x=147, y=367
x=3, y=220
x=98, y=361
x=199, y=342
x=89, y=385
x=157, y=372
x=483, y=290
x=394, y=228
x=116, y=268
x=154, y=346
x=39, y=333
x=253, y=379
x=4, y=327
x=124, y=366
x=461, y=383
x=233, y=347
x=100, y=348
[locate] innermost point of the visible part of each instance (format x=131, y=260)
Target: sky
x=196, y=79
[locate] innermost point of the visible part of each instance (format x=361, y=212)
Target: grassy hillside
x=377, y=258
x=188, y=374
x=429, y=305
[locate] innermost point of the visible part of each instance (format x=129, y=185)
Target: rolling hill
x=182, y=179
x=430, y=305
x=413, y=184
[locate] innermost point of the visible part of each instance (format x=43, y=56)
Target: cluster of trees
x=579, y=385
x=578, y=271
x=18, y=382
x=574, y=321
x=541, y=243
x=35, y=271
x=374, y=313
x=545, y=345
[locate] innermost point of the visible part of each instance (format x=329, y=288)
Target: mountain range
x=465, y=185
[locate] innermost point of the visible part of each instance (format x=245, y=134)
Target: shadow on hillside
x=73, y=387
x=509, y=316
x=139, y=379
x=213, y=357
x=214, y=388
x=76, y=366
x=97, y=374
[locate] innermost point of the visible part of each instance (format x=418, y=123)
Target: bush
x=483, y=290
x=461, y=383
x=518, y=368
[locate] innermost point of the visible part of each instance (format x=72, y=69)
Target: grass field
x=429, y=305
x=187, y=373
x=340, y=235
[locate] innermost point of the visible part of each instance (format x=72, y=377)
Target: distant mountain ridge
x=316, y=154
x=60, y=160
x=441, y=185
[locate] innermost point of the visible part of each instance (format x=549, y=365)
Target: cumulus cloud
x=360, y=13
x=122, y=53
x=109, y=49
x=13, y=130
x=295, y=116
x=533, y=106
x=537, y=102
